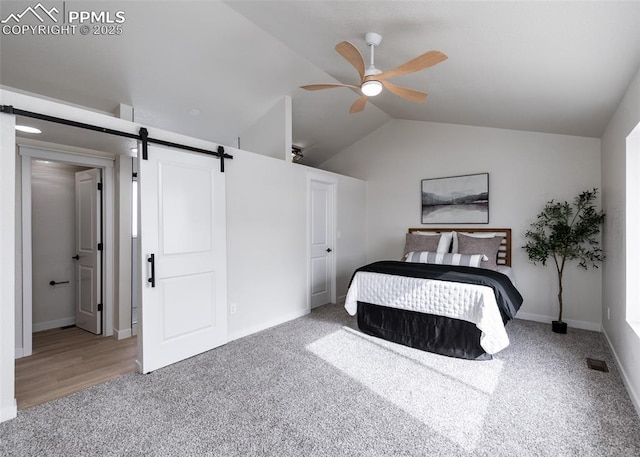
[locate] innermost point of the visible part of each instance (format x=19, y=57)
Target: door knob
x=76, y=257
x=328, y=249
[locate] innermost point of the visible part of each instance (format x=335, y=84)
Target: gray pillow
x=486, y=246
x=469, y=260
x=419, y=243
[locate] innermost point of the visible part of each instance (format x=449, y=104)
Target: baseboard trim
x=10, y=412
x=341, y=299
x=122, y=334
x=266, y=325
x=635, y=397
x=18, y=353
x=570, y=322
x=57, y=323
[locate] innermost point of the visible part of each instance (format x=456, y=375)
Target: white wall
x=8, y=405
x=53, y=243
x=271, y=134
x=19, y=350
x=351, y=233
x=525, y=171
x=622, y=337
x=267, y=239
x=123, y=308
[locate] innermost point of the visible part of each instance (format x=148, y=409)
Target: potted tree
x=563, y=232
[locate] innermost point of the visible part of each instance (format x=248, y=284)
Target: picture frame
x=462, y=199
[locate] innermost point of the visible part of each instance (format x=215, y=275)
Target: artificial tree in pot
x=564, y=232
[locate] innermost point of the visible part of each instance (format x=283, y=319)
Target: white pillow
x=454, y=248
x=469, y=260
x=445, y=239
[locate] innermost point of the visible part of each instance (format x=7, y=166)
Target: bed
x=452, y=293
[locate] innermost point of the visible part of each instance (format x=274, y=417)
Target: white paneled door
x=183, y=252
x=321, y=238
x=88, y=260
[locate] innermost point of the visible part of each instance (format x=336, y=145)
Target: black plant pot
x=559, y=327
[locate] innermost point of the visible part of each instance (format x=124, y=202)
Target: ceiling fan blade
x=326, y=86
x=426, y=60
x=352, y=55
x=405, y=92
x=358, y=105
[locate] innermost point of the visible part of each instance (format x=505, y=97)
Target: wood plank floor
x=68, y=360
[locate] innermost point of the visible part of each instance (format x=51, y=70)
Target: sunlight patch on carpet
x=430, y=388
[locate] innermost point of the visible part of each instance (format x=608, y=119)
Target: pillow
x=486, y=246
x=454, y=247
x=445, y=240
x=469, y=260
x=420, y=243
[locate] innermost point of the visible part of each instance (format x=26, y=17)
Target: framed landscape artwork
x=456, y=200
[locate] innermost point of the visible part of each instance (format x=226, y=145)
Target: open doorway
x=64, y=226
x=51, y=249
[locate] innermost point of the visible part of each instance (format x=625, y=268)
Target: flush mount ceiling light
x=372, y=80
x=27, y=129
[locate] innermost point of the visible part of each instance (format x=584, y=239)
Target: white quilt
x=469, y=302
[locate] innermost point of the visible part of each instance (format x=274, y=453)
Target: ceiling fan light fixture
x=371, y=88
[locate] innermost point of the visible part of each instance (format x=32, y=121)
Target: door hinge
x=99, y=246
x=99, y=306
x=99, y=186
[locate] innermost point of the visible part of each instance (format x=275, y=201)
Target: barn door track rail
x=142, y=136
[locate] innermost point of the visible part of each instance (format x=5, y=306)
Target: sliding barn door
x=183, y=249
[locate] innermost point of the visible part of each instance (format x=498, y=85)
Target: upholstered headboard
x=504, y=251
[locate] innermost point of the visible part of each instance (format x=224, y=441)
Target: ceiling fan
x=372, y=80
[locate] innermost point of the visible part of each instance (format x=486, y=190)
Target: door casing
x=28, y=153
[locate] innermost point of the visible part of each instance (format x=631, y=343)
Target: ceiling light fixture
x=27, y=129
x=371, y=88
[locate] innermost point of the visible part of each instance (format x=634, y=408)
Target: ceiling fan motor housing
x=372, y=38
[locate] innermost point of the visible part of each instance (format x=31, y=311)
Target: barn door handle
x=152, y=261
x=76, y=257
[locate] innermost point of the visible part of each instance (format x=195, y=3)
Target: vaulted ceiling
x=212, y=69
